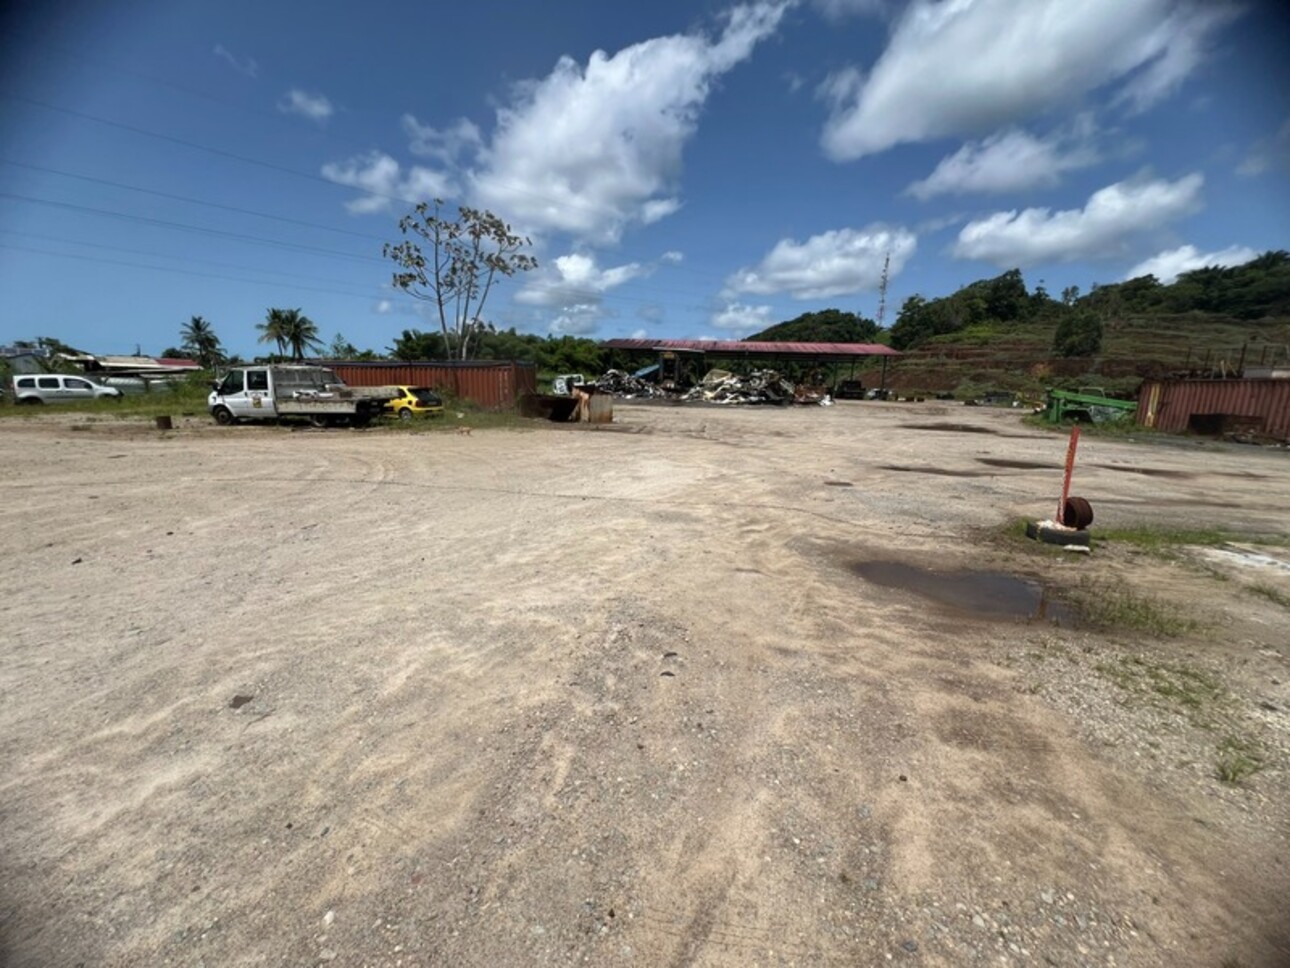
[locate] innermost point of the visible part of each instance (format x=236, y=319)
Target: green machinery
x=1089, y=404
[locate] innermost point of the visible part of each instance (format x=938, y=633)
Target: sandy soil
x=619, y=697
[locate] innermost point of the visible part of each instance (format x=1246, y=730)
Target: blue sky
x=684, y=170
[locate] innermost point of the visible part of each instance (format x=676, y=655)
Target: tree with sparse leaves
x=455, y=265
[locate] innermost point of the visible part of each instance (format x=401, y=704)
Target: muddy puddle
x=1019, y=464
x=986, y=595
x=939, y=471
x=1147, y=471
x=958, y=428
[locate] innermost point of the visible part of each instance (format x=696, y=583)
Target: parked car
x=59, y=388
x=414, y=401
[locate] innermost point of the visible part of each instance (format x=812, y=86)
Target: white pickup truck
x=312, y=393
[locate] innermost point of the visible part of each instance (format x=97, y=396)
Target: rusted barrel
x=1077, y=513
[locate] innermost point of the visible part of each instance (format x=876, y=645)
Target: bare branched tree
x=455, y=265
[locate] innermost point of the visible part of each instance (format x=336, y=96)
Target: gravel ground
x=624, y=696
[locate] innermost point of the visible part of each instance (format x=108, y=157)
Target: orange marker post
x=1070, y=469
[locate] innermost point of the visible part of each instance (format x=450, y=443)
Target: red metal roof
x=741, y=348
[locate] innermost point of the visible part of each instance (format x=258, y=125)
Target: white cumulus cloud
x=588, y=149
x=1100, y=228
x=445, y=145
x=672, y=257
x=966, y=67
x=829, y=264
x=1011, y=160
x=741, y=319
x=577, y=320
x=1169, y=265
x=386, y=182
x=575, y=278
x=315, y=107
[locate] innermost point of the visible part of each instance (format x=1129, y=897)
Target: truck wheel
x=405, y=414
x=319, y=422
x=223, y=416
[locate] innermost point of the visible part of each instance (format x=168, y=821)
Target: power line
x=575, y=293
x=574, y=202
x=185, y=227
x=245, y=159
x=283, y=169
x=168, y=269
x=191, y=200
x=161, y=255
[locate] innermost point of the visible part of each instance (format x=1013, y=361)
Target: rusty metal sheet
x=1170, y=405
x=492, y=384
x=740, y=348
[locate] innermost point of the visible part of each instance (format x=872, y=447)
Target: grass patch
x=181, y=398
x=1161, y=539
x=1126, y=427
x=1121, y=608
x=1274, y=595
x=1238, y=759
x=1184, y=689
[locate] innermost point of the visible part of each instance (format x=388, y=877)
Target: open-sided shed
x=802, y=353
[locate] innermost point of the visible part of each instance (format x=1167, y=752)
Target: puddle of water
x=939, y=471
x=1019, y=464
x=1247, y=559
x=952, y=428
x=984, y=594
x=1147, y=471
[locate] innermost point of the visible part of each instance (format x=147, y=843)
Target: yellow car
x=414, y=401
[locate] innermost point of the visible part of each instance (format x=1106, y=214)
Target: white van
x=59, y=388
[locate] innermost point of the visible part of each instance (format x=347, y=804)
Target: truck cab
x=274, y=391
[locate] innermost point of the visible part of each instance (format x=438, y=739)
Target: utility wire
x=186, y=272
x=574, y=293
x=162, y=255
x=245, y=159
x=576, y=202
x=191, y=200
x=185, y=227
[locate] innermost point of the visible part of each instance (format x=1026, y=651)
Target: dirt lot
x=671, y=692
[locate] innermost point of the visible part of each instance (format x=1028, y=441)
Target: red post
x=1070, y=469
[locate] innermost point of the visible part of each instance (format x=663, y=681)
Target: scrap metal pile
x=622, y=384
x=760, y=386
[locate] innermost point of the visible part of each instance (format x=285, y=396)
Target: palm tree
x=300, y=333
x=199, y=339
x=274, y=329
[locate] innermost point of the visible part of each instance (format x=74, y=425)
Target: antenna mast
x=882, y=289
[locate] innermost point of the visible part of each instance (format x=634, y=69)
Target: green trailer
x=1089, y=405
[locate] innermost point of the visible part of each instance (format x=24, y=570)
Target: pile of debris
x=760, y=386
x=622, y=384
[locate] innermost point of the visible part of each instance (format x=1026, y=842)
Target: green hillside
x=997, y=334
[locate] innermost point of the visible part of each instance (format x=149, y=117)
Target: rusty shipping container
x=1216, y=406
x=494, y=384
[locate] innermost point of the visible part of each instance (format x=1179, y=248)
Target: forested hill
x=825, y=326
x=998, y=332
x=1254, y=291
